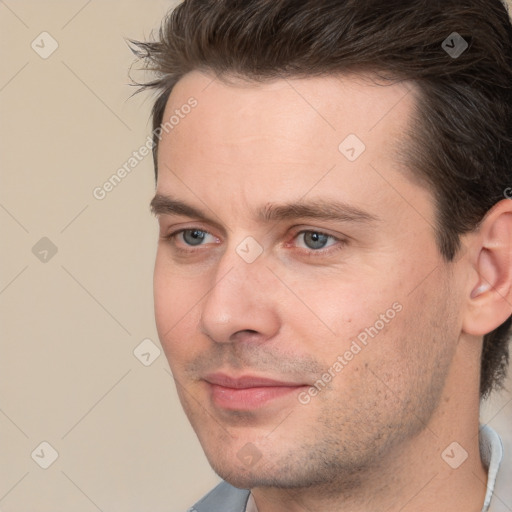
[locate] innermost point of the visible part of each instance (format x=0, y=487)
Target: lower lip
x=248, y=398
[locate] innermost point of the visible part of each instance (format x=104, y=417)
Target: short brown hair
x=461, y=144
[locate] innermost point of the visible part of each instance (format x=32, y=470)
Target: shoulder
x=223, y=498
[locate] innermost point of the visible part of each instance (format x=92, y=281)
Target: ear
x=489, y=296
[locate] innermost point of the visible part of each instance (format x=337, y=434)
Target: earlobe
x=490, y=298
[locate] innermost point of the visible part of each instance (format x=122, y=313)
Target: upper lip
x=246, y=381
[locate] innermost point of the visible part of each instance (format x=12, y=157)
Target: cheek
x=366, y=315
x=176, y=301
x=342, y=308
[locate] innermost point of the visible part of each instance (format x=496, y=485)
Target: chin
x=237, y=475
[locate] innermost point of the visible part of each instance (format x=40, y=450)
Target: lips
x=247, y=392
x=246, y=381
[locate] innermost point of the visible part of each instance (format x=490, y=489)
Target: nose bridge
x=240, y=297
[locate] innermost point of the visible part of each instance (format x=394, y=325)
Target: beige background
x=70, y=325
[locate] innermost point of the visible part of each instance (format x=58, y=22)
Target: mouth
x=247, y=392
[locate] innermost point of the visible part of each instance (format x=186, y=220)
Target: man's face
x=307, y=315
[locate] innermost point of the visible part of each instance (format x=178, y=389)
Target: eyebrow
x=313, y=209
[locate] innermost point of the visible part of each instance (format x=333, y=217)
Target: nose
x=241, y=304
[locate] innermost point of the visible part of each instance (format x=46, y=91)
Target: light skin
x=373, y=437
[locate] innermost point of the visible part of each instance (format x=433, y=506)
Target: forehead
x=288, y=116
x=332, y=99
x=292, y=137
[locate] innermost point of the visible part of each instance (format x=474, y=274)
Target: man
x=333, y=280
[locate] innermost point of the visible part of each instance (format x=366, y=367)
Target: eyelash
x=340, y=243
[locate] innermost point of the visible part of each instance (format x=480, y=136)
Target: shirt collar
x=491, y=452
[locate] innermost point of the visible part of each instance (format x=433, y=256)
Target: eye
x=192, y=237
x=315, y=240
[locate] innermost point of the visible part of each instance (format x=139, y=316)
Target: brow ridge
x=271, y=212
